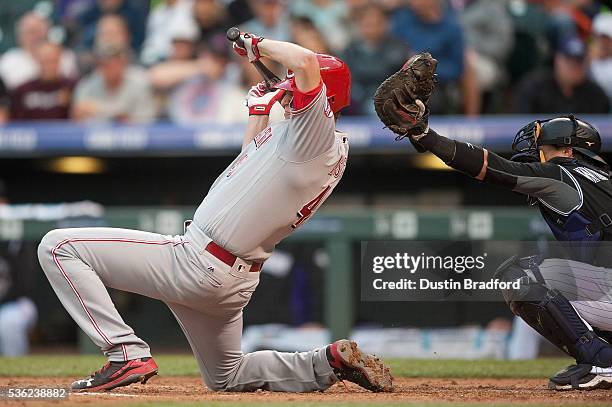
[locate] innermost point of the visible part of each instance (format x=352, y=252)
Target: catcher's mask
x=565, y=131
x=337, y=79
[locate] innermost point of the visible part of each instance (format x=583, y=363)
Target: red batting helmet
x=336, y=77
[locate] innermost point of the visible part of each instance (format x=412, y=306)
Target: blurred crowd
x=135, y=61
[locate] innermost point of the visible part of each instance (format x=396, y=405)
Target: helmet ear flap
x=337, y=79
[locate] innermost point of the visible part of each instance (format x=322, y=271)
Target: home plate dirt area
x=187, y=390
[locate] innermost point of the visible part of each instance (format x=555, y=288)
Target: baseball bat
x=233, y=34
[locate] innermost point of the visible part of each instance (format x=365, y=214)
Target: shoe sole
x=125, y=380
x=371, y=367
x=597, y=382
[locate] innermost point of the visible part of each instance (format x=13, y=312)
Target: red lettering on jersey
x=306, y=212
x=233, y=168
x=338, y=168
x=263, y=136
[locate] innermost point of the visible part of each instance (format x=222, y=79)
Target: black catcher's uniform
x=574, y=198
x=567, y=301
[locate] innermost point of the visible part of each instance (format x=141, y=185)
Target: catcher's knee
x=525, y=270
x=550, y=313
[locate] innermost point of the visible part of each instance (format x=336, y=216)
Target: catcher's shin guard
x=551, y=314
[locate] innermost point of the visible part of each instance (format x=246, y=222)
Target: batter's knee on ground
x=217, y=385
x=225, y=380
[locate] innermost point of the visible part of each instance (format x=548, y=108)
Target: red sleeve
x=301, y=100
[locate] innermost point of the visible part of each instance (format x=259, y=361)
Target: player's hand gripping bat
x=233, y=34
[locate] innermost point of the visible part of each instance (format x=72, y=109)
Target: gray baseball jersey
x=278, y=181
x=274, y=186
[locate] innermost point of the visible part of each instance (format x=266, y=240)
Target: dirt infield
x=190, y=389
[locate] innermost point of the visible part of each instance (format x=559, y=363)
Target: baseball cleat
x=116, y=374
x=350, y=363
x=581, y=377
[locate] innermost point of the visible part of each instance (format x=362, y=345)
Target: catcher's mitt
x=401, y=100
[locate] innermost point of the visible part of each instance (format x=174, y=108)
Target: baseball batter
x=207, y=276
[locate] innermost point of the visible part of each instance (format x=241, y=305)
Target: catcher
x=569, y=302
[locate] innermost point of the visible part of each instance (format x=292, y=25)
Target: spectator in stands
x=373, y=55
x=561, y=22
x=113, y=29
x=566, y=89
x=66, y=11
x=601, y=53
x=432, y=26
x=530, y=51
x=329, y=16
x=176, y=69
x=184, y=41
x=162, y=20
x=10, y=14
x=110, y=29
x=180, y=65
x=115, y=92
x=270, y=19
x=18, y=65
x=132, y=14
x=4, y=104
x=239, y=12
x=47, y=97
x=353, y=8
x=570, y=18
x=305, y=34
x=211, y=19
x=489, y=32
x=211, y=93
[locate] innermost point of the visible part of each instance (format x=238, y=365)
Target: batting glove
x=249, y=49
x=260, y=100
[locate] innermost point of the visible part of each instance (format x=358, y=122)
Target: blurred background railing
x=366, y=136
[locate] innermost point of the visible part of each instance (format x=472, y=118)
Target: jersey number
x=306, y=212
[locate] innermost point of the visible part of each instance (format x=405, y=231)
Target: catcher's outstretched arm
x=541, y=180
x=401, y=104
